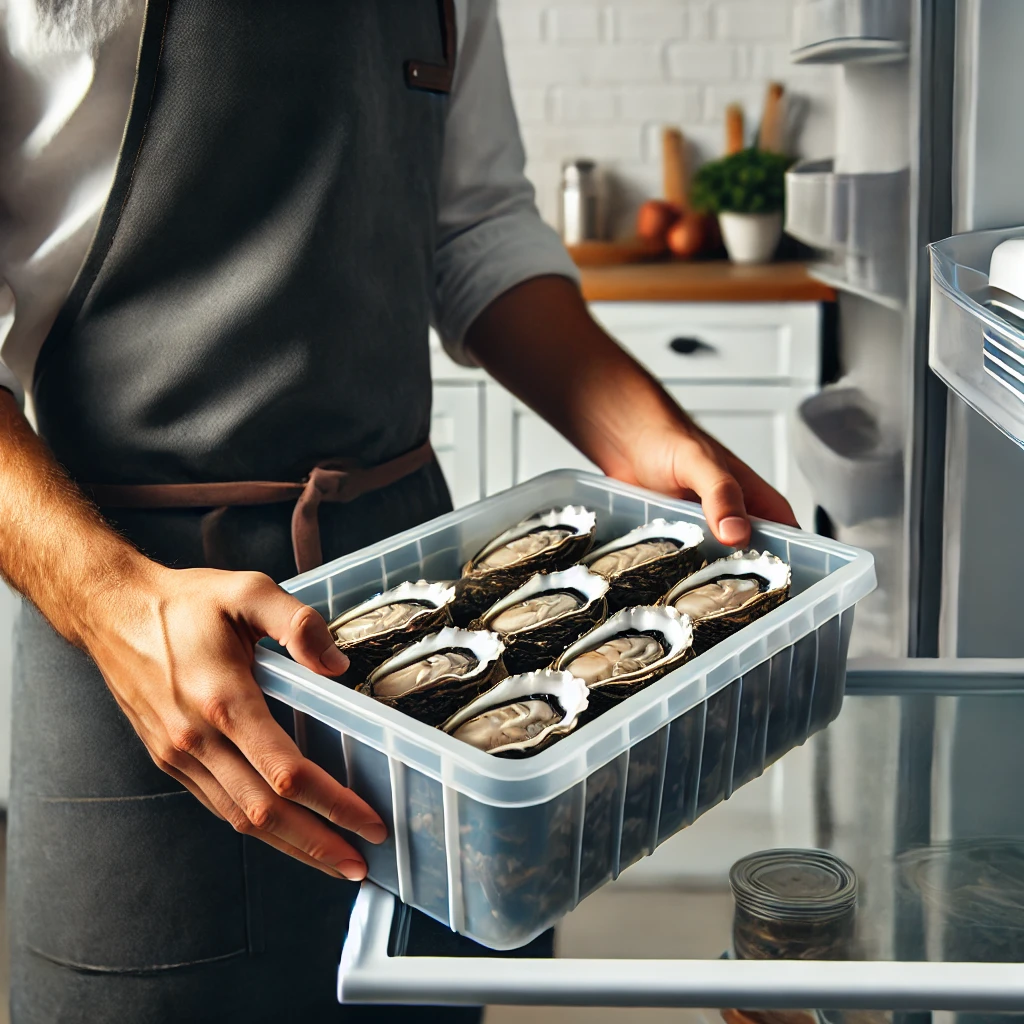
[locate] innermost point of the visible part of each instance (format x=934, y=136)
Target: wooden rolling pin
x=734, y=141
x=674, y=170
x=771, y=137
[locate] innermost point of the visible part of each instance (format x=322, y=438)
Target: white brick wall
x=599, y=78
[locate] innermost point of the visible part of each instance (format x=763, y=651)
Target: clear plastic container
x=501, y=849
x=841, y=31
x=975, y=349
x=860, y=218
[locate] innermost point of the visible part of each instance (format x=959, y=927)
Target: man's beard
x=63, y=26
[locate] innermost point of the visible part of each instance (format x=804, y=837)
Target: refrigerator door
x=940, y=924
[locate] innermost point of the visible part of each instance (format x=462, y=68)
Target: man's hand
x=175, y=646
x=176, y=649
x=685, y=462
x=539, y=340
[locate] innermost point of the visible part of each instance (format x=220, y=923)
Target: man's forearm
x=539, y=340
x=55, y=548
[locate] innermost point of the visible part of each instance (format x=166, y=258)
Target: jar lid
x=794, y=885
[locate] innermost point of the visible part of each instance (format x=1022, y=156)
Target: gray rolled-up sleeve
x=491, y=236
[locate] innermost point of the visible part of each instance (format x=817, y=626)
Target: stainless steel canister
x=581, y=208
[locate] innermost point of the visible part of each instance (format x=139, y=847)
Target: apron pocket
x=132, y=883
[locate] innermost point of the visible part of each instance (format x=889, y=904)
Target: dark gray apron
x=255, y=303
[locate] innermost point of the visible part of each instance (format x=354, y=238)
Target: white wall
x=598, y=78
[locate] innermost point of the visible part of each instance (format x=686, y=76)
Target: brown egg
x=686, y=237
x=655, y=218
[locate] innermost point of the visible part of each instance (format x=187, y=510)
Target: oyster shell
x=643, y=563
x=545, y=615
x=546, y=541
x=522, y=714
x=629, y=651
x=730, y=593
x=370, y=632
x=437, y=675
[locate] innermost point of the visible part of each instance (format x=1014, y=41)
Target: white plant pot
x=751, y=237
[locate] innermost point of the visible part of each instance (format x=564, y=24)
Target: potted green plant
x=747, y=191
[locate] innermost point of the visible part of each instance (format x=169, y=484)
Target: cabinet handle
x=686, y=346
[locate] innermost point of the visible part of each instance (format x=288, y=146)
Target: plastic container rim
x=611, y=734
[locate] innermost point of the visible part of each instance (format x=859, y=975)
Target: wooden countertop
x=703, y=281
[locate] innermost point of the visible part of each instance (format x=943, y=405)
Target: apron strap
x=334, y=481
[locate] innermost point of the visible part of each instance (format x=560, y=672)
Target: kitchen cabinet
x=739, y=368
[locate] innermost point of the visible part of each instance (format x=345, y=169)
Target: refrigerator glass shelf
x=977, y=352
x=848, y=31
x=940, y=913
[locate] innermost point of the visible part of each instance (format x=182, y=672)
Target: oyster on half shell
x=434, y=677
x=547, y=541
x=522, y=714
x=730, y=593
x=545, y=615
x=643, y=563
x=628, y=652
x=370, y=632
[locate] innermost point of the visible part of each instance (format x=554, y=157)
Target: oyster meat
x=428, y=671
x=522, y=714
x=509, y=724
x=370, y=632
x=546, y=614
x=641, y=565
x=536, y=610
x=546, y=542
x=379, y=620
x=521, y=548
x=635, y=555
x=730, y=593
x=434, y=677
x=628, y=653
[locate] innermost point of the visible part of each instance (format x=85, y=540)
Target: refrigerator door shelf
x=940, y=915
x=975, y=346
x=837, y=443
x=860, y=218
x=848, y=31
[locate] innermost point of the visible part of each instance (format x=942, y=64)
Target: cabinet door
x=751, y=421
x=455, y=433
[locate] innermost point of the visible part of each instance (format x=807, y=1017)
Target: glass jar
x=793, y=905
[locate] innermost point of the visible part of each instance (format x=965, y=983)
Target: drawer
x=764, y=342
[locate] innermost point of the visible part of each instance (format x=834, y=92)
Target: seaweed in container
x=520, y=873
x=729, y=594
x=371, y=631
x=541, y=618
x=434, y=677
x=641, y=565
x=599, y=849
x=547, y=541
x=628, y=652
x=522, y=714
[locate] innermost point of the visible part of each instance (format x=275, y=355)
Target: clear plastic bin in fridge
x=841, y=31
x=501, y=849
x=974, y=347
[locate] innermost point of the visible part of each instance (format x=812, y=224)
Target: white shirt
x=65, y=90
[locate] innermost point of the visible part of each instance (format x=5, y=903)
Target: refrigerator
x=915, y=449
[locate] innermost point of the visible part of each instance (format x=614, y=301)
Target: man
x=226, y=226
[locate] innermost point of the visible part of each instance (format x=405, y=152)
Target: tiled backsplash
x=597, y=78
